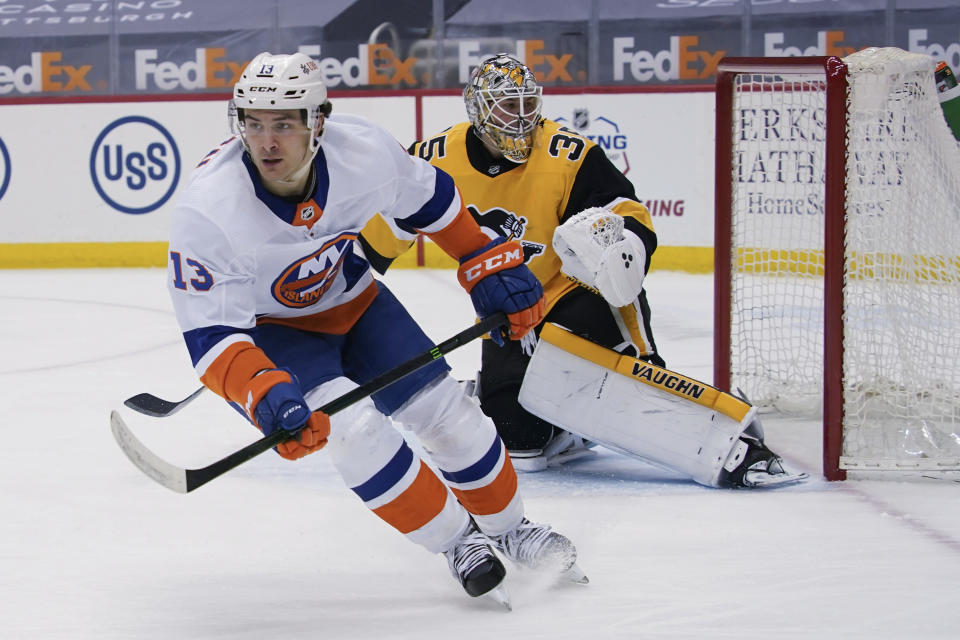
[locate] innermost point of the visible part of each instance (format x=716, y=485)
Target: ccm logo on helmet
x=263, y=89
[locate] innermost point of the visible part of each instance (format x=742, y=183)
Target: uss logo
x=305, y=281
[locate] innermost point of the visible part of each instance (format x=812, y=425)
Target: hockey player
x=589, y=240
x=280, y=316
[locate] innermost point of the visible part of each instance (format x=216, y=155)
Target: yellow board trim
x=71, y=255
x=860, y=265
x=649, y=374
x=688, y=259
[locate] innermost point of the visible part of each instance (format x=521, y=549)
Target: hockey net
x=838, y=253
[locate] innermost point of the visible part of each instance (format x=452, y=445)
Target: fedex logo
x=829, y=43
x=45, y=73
x=682, y=61
x=917, y=43
x=374, y=64
x=210, y=69
x=546, y=67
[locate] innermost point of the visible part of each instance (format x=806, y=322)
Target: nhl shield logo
x=581, y=119
x=307, y=214
x=602, y=131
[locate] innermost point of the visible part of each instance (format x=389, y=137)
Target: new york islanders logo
x=305, y=281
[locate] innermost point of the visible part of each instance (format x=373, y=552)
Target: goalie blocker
x=648, y=412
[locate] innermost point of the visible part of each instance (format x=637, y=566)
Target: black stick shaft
x=199, y=477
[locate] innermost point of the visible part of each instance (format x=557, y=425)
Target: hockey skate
x=535, y=546
x=473, y=562
x=564, y=448
x=752, y=465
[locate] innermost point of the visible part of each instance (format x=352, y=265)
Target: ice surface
x=91, y=548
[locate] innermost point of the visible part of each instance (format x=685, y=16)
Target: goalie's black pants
x=502, y=368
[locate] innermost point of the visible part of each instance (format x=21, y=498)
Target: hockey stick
x=151, y=405
x=186, y=480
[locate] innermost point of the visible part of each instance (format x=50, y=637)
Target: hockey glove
x=596, y=250
x=273, y=401
x=497, y=280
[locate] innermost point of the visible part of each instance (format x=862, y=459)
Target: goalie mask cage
x=837, y=276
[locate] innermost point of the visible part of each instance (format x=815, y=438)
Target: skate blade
x=575, y=574
x=500, y=595
x=764, y=480
x=570, y=456
x=528, y=464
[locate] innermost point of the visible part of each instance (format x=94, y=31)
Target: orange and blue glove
x=497, y=280
x=273, y=400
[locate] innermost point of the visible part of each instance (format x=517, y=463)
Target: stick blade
x=151, y=405
x=154, y=467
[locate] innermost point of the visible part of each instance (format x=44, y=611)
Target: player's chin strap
x=307, y=165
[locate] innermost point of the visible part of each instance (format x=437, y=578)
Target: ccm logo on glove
x=505, y=256
x=497, y=280
x=274, y=401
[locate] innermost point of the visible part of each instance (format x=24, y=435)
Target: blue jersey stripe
x=435, y=207
x=354, y=267
x=388, y=476
x=479, y=469
x=201, y=340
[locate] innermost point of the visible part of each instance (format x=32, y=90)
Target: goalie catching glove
x=273, y=401
x=497, y=280
x=596, y=250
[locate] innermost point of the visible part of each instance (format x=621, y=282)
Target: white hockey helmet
x=272, y=81
x=503, y=103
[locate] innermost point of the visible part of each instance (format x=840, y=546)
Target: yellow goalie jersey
x=565, y=174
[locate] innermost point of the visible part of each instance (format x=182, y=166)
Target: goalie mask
x=503, y=103
x=280, y=82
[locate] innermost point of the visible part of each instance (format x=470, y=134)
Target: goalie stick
x=186, y=480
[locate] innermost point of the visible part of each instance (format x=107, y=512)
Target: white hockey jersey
x=239, y=254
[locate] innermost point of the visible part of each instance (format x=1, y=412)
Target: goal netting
x=838, y=253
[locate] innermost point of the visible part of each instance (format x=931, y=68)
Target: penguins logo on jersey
x=305, y=281
x=506, y=224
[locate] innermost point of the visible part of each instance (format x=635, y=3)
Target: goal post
x=837, y=253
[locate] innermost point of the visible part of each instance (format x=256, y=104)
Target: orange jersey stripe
x=417, y=505
x=337, y=320
x=494, y=497
x=460, y=237
x=229, y=373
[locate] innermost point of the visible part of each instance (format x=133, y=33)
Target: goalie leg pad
x=634, y=407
